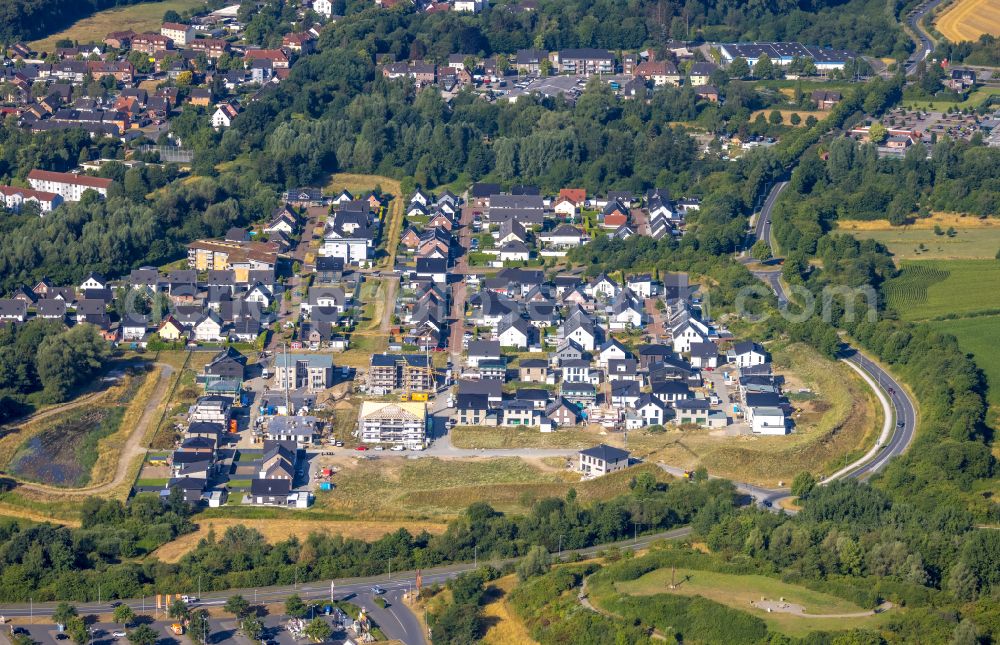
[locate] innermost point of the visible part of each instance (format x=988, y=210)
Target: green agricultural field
x=936, y=288
x=978, y=336
x=138, y=17
x=911, y=243
x=821, y=611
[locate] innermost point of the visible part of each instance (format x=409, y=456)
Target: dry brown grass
x=109, y=448
x=396, y=488
x=504, y=627
x=944, y=220
x=842, y=420
x=969, y=19
x=277, y=530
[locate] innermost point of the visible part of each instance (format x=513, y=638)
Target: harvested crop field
x=969, y=19
x=142, y=17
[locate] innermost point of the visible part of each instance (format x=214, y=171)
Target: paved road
x=925, y=45
x=762, y=228
x=903, y=407
x=397, y=621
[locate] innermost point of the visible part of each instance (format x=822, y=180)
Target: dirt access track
x=134, y=446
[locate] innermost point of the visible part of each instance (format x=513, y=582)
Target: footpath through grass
x=739, y=591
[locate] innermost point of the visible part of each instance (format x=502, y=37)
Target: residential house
x=303, y=430
x=563, y=413
x=533, y=370
x=767, y=420
x=700, y=73
x=602, y=459
x=13, y=310
x=482, y=350
x=704, y=355
x=473, y=409
x=746, y=354
x=660, y=72
x=691, y=411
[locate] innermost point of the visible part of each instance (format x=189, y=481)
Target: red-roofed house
x=278, y=58
x=67, y=185
x=15, y=197
x=576, y=195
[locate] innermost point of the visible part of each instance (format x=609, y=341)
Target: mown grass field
x=975, y=238
x=138, y=17
x=838, y=421
x=978, y=335
x=969, y=19
x=738, y=591
x=936, y=288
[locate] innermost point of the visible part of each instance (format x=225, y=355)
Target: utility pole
x=475, y=556
x=560, y=548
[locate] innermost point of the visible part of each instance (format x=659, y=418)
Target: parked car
x=398, y=448
x=362, y=447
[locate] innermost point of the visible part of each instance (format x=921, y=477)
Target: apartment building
x=403, y=424
x=181, y=34
x=14, y=198
x=67, y=185
x=312, y=372
x=400, y=372
x=584, y=62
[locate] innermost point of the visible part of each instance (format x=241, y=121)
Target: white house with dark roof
x=602, y=459
x=746, y=354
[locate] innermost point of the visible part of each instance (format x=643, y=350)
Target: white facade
x=767, y=420
x=68, y=186
x=323, y=8
x=402, y=424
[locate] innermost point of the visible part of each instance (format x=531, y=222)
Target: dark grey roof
x=270, y=487
x=605, y=453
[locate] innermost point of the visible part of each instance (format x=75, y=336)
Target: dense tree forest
x=984, y=51
x=855, y=184
x=44, y=357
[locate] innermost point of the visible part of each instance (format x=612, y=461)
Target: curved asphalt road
x=396, y=620
x=903, y=408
